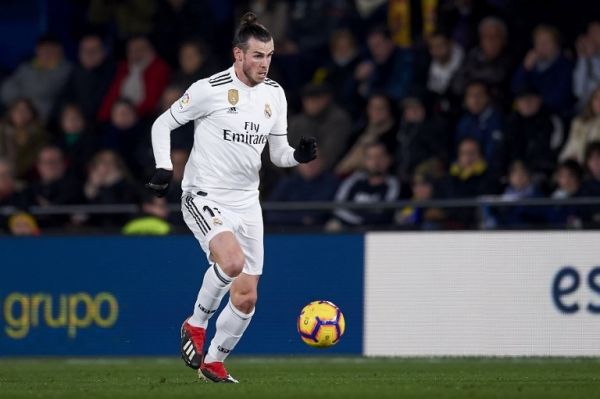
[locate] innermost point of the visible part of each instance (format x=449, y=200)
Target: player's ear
x=238, y=54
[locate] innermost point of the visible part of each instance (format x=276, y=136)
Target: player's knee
x=233, y=264
x=244, y=302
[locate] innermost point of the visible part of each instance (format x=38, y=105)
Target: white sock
x=214, y=287
x=231, y=325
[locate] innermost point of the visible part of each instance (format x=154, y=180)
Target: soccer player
x=235, y=113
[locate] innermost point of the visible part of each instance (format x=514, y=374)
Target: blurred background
x=430, y=114
x=435, y=115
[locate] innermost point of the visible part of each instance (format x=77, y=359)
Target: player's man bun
x=249, y=27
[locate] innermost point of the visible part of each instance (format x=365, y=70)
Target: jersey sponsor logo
x=184, y=101
x=268, y=111
x=233, y=96
x=246, y=138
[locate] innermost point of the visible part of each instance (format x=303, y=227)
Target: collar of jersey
x=237, y=82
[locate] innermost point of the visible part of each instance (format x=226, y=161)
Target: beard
x=248, y=73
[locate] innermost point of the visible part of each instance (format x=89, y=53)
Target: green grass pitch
x=299, y=377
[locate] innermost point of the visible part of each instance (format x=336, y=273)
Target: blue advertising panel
x=129, y=295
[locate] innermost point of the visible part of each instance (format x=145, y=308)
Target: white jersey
x=232, y=124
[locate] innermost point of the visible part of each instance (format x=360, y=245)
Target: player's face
x=255, y=61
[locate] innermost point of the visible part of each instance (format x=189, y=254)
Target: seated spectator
x=489, y=62
x=108, y=183
x=76, y=140
x=23, y=224
x=585, y=129
x=469, y=177
x=21, y=137
x=423, y=189
x=141, y=79
x=152, y=221
x=419, y=139
x=533, y=134
x=591, y=184
x=179, y=158
x=482, y=122
x=547, y=70
x=90, y=79
x=41, y=80
x=520, y=186
x=381, y=126
x=586, y=76
x=446, y=60
x=308, y=182
x=324, y=120
x=371, y=186
x=124, y=134
x=389, y=68
x=568, y=178
x=9, y=193
x=195, y=63
x=53, y=187
x=338, y=71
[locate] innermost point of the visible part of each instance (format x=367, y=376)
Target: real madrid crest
x=233, y=96
x=268, y=112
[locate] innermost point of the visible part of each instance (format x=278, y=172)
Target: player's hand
x=306, y=150
x=159, y=183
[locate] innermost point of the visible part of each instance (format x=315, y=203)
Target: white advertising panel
x=482, y=293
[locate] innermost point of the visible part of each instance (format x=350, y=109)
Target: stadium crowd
x=408, y=99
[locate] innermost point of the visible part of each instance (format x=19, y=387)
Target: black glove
x=159, y=184
x=306, y=150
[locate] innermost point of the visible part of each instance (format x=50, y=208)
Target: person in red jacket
x=141, y=79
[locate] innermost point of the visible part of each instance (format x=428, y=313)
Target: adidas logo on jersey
x=232, y=110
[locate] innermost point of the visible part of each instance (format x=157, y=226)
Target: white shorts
x=206, y=217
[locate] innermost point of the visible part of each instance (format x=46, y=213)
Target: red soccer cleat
x=216, y=372
x=192, y=344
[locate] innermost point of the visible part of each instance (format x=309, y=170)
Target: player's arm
x=280, y=151
x=192, y=105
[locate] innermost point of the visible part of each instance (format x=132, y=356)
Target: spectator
x=152, y=221
x=21, y=137
x=568, y=179
x=108, y=183
x=482, y=122
x=533, y=134
x=586, y=77
x=195, y=63
x=423, y=189
x=446, y=60
x=124, y=134
x=381, y=126
x=373, y=185
x=308, y=182
x=9, y=195
x=338, y=71
x=90, y=79
x=591, y=184
x=178, y=20
x=324, y=120
x=585, y=129
x=141, y=79
x=77, y=142
x=40, y=80
x=520, y=186
x=389, y=68
x=23, y=224
x=547, y=70
x=179, y=158
x=53, y=186
x=469, y=177
x=419, y=138
x=489, y=62
x=459, y=19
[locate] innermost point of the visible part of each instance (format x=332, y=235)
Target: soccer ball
x=321, y=324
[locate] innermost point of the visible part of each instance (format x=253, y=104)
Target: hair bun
x=249, y=18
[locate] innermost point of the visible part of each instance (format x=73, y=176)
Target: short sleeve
x=193, y=104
